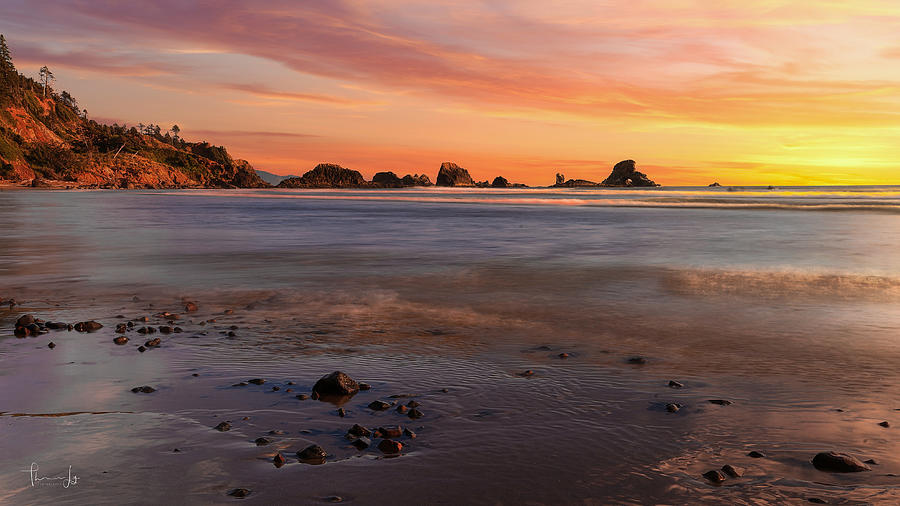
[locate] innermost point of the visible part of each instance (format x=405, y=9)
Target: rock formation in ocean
x=560, y=179
x=451, y=174
x=500, y=182
x=625, y=174
x=326, y=175
x=416, y=180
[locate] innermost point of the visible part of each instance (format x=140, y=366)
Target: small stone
x=256, y=381
x=720, y=402
x=675, y=384
x=290, y=383
x=637, y=360
x=142, y=349
x=816, y=500
x=177, y=330
x=261, y=441
x=563, y=355
x=402, y=409
x=143, y=390
x=415, y=414
x=22, y=332
x=361, y=443
x=239, y=492
x=223, y=426
x=165, y=329
x=445, y=390
x=838, y=463
x=25, y=320
x=228, y=311
x=88, y=326
x=341, y=412
x=885, y=424
x=313, y=453
x=389, y=432
x=359, y=431
x=302, y=397
x=714, y=476
x=121, y=328
x=245, y=418
x=672, y=407
x=143, y=319
x=756, y=455
x=176, y=450
x=334, y=498
x=390, y=447
x=413, y=404
x=153, y=343
x=276, y=388
x=408, y=433
x=276, y=432
x=734, y=472
x=289, y=390
x=57, y=325
x=527, y=373
x=190, y=307
x=195, y=375
x=51, y=345
x=279, y=459
x=231, y=334
x=365, y=386
x=379, y=405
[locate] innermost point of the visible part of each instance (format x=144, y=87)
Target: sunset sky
x=761, y=92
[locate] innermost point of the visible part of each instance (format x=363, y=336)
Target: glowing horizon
x=777, y=92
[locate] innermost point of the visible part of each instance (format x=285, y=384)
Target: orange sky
x=762, y=92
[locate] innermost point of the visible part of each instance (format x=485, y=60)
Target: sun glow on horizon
x=777, y=92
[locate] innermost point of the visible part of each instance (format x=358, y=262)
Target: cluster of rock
x=28, y=325
x=330, y=175
x=624, y=174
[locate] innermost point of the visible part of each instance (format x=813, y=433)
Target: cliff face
x=50, y=138
x=451, y=174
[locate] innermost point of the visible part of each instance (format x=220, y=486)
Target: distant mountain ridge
x=272, y=179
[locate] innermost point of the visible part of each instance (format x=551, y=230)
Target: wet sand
x=807, y=358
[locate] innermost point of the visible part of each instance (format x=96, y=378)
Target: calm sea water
x=784, y=301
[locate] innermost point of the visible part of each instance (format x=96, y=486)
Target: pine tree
x=6, y=63
x=46, y=78
x=8, y=76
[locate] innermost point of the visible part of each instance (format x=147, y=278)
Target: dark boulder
x=143, y=390
x=451, y=174
x=239, y=492
x=326, y=175
x=734, y=472
x=335, y=384
x=715, y=476
x=838, y=463
x=313, y=454
x=714, y=185
x=390, y=447
x=625, y=174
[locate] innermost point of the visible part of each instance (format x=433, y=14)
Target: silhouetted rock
x=89, y=326
x=335, y=384
x=387, y=180
x=326, y=175
x=500, y=182
x=451, y=174
x=734, y=472
x=714, y=185
x=416, y=180
x=625, y=174
x=560, y=179
x=239, y=492
x=313, y=454
x=576, y=183
x=715, y=476
x=838, y=463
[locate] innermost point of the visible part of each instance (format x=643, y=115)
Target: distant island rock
x=391, y=180
x=326, y=175
x=624, y=174
x=451, y=174
x=330, y=175
x=714, y=185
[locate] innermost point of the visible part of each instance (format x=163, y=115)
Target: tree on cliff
x=7, y=71
x=46, y=78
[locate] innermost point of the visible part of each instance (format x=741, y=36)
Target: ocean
x=784, y=302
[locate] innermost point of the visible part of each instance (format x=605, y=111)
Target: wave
x=877, y=201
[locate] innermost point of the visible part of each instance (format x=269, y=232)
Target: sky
x=762, y=92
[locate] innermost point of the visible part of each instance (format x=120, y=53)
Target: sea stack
x=625, y=174
x=453, y=175
x=326, y=175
